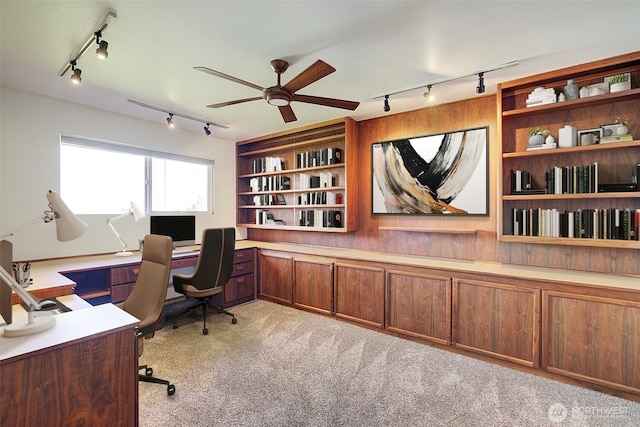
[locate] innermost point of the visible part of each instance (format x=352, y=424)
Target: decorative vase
x=622, y=130
x=536, y=140
x=561, y=97
x=571, y=90
x=550, y=140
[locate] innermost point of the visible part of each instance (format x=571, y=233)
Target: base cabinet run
x=592, y=339
x=577, y=333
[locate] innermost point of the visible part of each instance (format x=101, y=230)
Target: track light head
x=428, y=95
x=386, y=108
x=75, y=77
x=480, y=87
x=101, y=51
x=206, y=130
x=170, y=121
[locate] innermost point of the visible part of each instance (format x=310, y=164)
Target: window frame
x=149, y=154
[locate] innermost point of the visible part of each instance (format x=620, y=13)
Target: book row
x=270, y=183
x=325, y=179
x=320, y=218
x=268, y=164
x=322, y=157
x=559, y=180
x=611, y=224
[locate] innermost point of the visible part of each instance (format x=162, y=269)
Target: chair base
x=148, y=377
x=204, y=303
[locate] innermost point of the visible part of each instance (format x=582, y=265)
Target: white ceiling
x=377, y=47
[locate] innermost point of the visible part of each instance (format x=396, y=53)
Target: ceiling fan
x=282, y=96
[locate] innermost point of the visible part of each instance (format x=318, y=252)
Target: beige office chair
x=147, y=297
x=213, y=270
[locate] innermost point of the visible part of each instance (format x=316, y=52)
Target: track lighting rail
x=172, y=113
x=94, y=37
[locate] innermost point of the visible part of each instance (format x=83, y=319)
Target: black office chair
x=213, y=270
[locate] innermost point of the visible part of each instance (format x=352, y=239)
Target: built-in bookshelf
x=574, y=195
x=299, y=179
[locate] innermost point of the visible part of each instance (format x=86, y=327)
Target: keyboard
x=46, y=313
x=184, y=251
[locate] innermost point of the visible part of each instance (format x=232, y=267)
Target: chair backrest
x=146, y=300
x=215, y=263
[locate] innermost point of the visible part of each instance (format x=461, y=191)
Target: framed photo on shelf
x=445, y=173
x=589, y=136
x=280, y=200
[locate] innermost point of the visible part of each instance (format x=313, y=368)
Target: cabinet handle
x=240, y=280
x=135, y=270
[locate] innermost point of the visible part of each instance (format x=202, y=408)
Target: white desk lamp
x=68, y=227
x=137, y=216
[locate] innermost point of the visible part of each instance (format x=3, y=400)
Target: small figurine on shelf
x=624, y=125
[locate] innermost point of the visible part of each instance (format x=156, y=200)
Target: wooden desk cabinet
x=83, y=371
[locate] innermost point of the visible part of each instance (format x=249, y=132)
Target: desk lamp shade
x=68, y=225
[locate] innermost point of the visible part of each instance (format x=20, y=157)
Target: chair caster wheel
x=234, y=320
x=205, y=331
x=171, y=389
x=175, y=325
x=148, y=372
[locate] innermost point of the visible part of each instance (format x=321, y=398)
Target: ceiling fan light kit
x=282, y=96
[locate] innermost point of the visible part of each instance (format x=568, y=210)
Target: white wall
x=30, y=128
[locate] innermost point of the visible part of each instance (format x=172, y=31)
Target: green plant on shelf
x=619, y=78
x=538, y=131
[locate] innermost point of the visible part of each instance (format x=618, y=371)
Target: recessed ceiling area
x=376, y=48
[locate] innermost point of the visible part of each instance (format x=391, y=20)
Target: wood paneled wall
x=483, y=246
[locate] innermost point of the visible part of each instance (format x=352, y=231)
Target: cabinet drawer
x=120, y=293
x=242, y=268
x=243, y=255
x=238, y=288
x=121, y=275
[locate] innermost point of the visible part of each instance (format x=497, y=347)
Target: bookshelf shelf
x=314, y=164
x=428, y=230
x=616, y=161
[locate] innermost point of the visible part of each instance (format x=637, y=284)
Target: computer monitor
x=6, y=259
x=181, y=228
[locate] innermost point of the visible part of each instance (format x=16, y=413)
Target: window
x=104, y=178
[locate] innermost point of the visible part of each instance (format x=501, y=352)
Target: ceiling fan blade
x=227, y=77
x=315, y=72
x=329, y=102
x=287, y=114
x=237, y=101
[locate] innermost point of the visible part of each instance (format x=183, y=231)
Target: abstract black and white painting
x=434, y=174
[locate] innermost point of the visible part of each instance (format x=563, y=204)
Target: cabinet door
x=592, y=339
x=419, y=305
x=496, y=319
x=313, y=285
x=276, y=278
x=359, y=294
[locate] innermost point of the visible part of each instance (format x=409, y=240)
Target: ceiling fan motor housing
x=277, y=96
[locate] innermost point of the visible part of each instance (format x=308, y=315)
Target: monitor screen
x=181, y=228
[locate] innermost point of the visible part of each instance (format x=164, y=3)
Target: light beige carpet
x=279, y=366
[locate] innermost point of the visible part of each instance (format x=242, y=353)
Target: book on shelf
x=616, y=138
x=544, y=146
